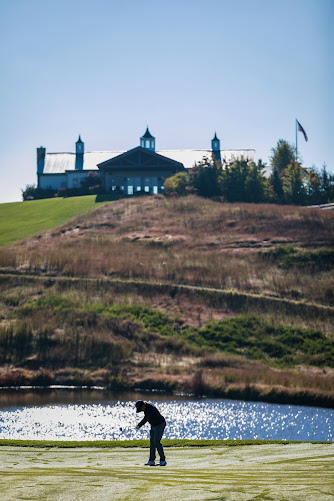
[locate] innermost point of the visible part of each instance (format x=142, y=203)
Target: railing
x=322, y=206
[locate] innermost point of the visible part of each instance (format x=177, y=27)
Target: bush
x=31, y=192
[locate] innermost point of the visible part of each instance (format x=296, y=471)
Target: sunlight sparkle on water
x=201, y=419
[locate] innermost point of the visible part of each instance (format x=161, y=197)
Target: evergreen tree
x=293, y=184
x=312, y=185
x=276, y=183
x=255, y=183
x=234, y=181
x=282, y=156
x=205, y=179
x=326, y=186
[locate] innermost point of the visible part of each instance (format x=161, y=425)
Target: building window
x=147, y=189
x=147, y=143
x=155, y=190
x=138, y=188
x=130, y=190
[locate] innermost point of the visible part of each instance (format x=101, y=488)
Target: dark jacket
x=151, y=415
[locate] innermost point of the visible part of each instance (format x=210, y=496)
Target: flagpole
x=296, y=141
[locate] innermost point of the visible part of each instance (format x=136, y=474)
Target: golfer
x=158, y=424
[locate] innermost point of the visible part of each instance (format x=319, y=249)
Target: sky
x=105, y=69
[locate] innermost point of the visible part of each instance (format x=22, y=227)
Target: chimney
x=40, y=159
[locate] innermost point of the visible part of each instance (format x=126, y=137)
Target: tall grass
x=95, y=335
x=190, y=241
x=69, y=331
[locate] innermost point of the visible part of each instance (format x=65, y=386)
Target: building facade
x=139, y=169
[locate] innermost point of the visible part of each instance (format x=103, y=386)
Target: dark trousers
x=155, y=437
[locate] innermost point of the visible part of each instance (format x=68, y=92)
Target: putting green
x=263, y=472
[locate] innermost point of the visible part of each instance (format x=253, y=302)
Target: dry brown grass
x=187, y=240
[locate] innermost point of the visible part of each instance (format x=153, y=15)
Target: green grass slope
x=21, y=220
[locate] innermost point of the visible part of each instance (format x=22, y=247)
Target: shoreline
x=247, y=393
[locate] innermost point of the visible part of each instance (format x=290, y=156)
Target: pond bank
x=247, y=392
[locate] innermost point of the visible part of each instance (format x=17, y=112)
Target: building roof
x=190, y=157
x=141, y=158
x=147, y=135
x=79, y=140
x=215, y=138
x=58, y=163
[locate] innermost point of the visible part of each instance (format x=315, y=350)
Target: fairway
x=289, y=472
x=21, y=220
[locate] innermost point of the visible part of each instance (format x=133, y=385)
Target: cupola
x=147, y=141
x=80, y=146
x=79, y=154
x=215, y=147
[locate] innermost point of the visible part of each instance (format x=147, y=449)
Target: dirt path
x=269, y=472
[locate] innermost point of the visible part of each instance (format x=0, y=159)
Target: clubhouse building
x=139, y=169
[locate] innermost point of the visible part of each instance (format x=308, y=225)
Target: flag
x=300, y=129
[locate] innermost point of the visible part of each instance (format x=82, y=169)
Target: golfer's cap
x=139, y=405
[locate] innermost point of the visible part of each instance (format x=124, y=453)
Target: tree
x=177, y=184
x=255, y=183
x=204, y=179
x=276, y=184
x=312, y=185
x=293, y=184
x=92, y=182
x=326, y=186
x=282, y=156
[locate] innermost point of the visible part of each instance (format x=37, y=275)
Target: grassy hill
x=183, y=294
x=21, y=220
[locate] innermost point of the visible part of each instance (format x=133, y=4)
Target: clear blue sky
x=187, y=68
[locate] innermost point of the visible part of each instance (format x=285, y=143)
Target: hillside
x=225, y=299
x=20, y=220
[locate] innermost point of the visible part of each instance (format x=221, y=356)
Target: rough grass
x=95, y=335
x=21, y=220
x=290, y=471
x=190, y=241
x=101, y=336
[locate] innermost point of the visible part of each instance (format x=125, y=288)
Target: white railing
x=322, y=206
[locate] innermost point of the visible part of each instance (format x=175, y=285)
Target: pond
x=95, y=414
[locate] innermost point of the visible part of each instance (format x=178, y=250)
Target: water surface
x=99, y=415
